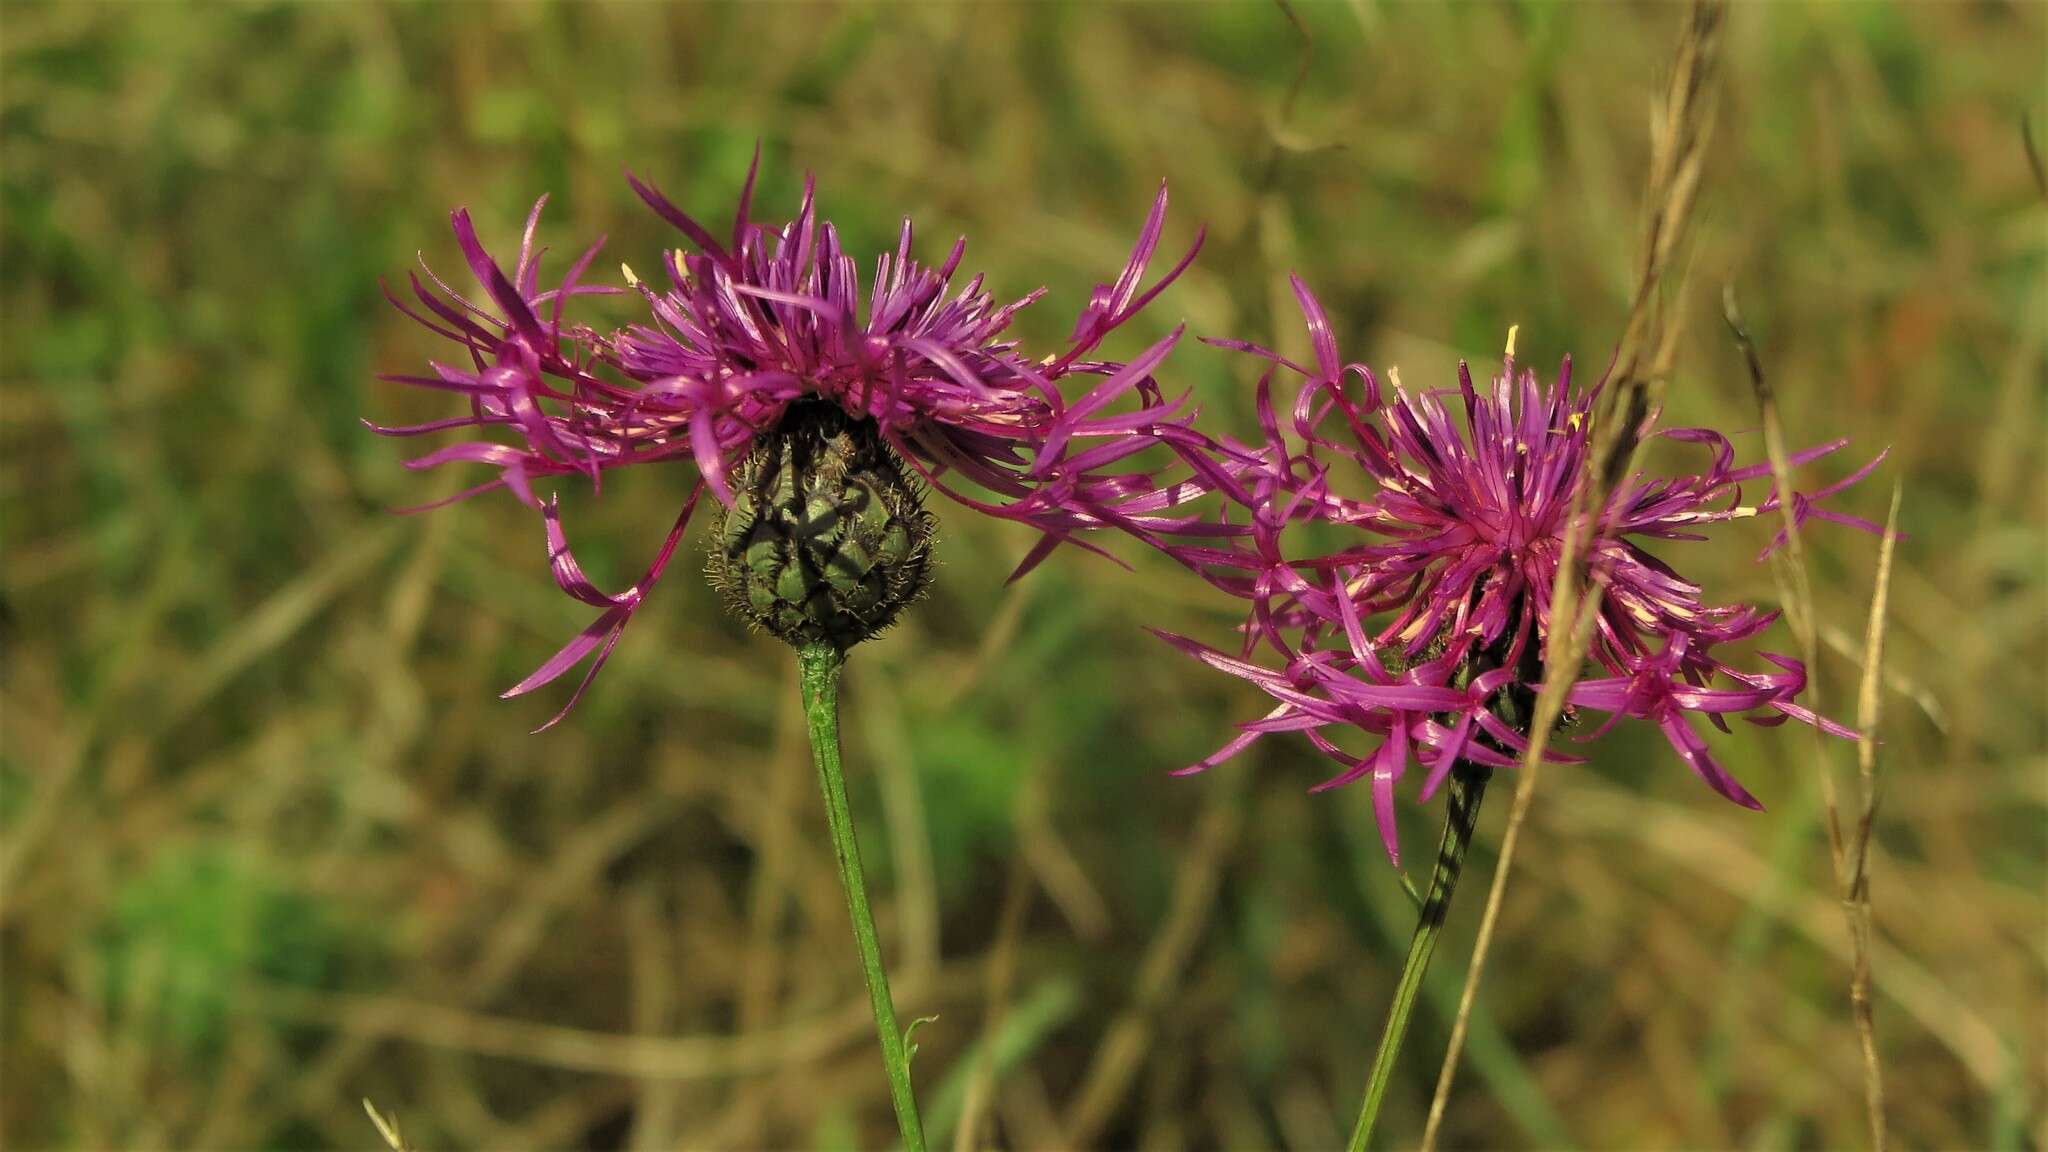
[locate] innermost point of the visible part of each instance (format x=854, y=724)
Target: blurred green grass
x=272, y=844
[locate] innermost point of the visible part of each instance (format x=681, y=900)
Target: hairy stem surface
x=1468, y=787
x=820, y=684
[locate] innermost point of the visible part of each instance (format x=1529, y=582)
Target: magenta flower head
x=813, y=416
x=1427, y=630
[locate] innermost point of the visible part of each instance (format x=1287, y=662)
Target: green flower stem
x=820, y=681
x=1468, y=786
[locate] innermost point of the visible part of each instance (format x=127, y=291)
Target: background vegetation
x=269, y=843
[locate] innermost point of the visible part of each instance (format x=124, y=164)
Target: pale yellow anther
x=1512, y=329
x=1574, y=420
x=1394, y=374
x=632, y=281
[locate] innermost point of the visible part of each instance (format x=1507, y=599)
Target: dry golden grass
x=270, y=844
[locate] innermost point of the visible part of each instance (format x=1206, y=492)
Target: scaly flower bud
x=827, y=539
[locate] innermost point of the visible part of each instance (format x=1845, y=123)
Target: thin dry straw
x=1869, y=702
x=1678, y=144
x=387, y=1128
x=1852, y=880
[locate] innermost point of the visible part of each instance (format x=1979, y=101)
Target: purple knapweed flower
x=1430, y=630
x=748, y=328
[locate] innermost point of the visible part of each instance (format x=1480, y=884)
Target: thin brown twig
x=1678, y=147
x=1789, y=565
x=1796, y=590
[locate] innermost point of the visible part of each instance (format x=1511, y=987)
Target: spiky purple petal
x=1457, y=546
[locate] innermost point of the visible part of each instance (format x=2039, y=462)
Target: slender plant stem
x=820, y=682
x=1468, y=787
